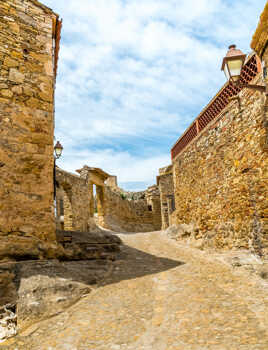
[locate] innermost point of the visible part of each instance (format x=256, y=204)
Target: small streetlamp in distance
x=58, y=150
x=57, y=154
x=232, y=66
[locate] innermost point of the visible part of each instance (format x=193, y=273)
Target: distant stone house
x=116, y=209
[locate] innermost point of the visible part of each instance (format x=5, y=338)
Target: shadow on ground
x=39, y=289
x=130, y=263
x=133, y=263
x=45, y=288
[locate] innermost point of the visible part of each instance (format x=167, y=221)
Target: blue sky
x=133, y=74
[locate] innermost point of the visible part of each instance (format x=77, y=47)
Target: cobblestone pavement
x=161, y=295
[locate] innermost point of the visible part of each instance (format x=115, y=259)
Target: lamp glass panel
x=58, y=151
x=235, y=67
x=226, y=72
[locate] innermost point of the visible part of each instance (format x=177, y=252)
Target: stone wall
x=111, y=181
x=73, y=202
x=28, y=44
x=125, y=213
x=166, y=188
x=221, y=178
x=153, y=202
x=259, y=45
x=117, y=209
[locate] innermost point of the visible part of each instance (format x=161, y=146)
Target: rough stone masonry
x=131, y=212
x=220, y=177
x=116, y=209
x=166, y=188
x=29, y=43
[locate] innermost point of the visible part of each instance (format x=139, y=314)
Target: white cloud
x=133, y=169
x=134, y=73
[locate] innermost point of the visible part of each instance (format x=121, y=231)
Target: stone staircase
x=88, y=245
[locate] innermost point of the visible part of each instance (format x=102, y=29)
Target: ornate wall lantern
x=58, y=150
x=232, y=66
x=232, y=63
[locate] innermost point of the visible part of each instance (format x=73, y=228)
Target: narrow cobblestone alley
x=161, y=295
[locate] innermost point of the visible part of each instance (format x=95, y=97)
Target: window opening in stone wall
x=150, y=208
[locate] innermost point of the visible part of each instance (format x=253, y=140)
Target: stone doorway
x=95, y=178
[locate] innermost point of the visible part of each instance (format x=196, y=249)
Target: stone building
x=166, y=188
x=116, y=209
x=29, y=45
x=153, y=201
x=220, y=165
x=75, y=198
x=73, y=202
x=125, y=213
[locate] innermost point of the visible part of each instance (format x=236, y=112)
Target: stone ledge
x=88, y=245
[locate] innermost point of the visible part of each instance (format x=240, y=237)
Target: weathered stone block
x=9, y=62
x=16, y=76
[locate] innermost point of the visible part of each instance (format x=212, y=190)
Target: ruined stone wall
x=75, y=193
x=220, y=179
x=166, y=188
x=126, y=214
x=117, y=209
x=111, y=181
x=27, y=42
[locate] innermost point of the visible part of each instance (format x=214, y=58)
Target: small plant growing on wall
x=123, y=196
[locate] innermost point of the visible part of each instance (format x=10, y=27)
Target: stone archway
x=97, y=177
